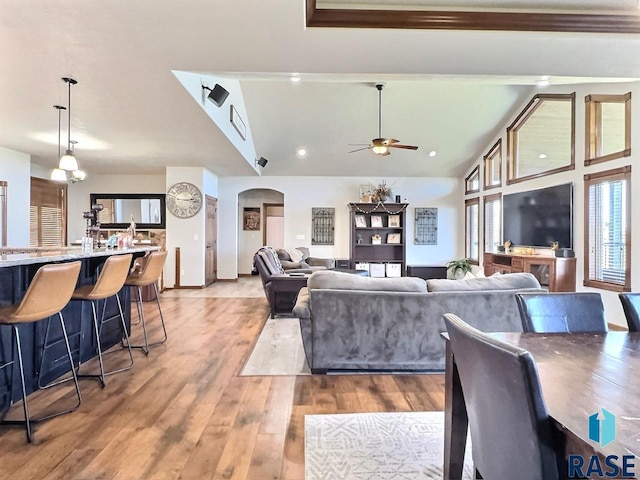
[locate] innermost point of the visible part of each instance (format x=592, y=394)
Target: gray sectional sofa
x=350, y=322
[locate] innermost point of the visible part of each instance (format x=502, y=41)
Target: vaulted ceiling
x=446, y=90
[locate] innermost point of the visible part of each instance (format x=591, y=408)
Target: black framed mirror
x=147, y=209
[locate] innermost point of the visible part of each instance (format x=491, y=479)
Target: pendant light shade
x=57, y=174
x=68, y=161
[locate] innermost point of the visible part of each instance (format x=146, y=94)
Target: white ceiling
x=446, y=90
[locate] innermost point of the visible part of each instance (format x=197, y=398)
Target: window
x=607, y=229
x=492, y=222
x=472, y=182
x=472, y=230
x=48, y=213
x=493, y=166
x=541, y=139
x=608, y=127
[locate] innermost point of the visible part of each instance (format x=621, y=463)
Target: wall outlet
x=195, y=236
x=182, y=272
x=299, y=237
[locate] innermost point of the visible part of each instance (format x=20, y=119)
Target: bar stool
x=110, y=281
x=48, y=293
x=149, y=275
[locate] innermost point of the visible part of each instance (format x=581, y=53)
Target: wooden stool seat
x=110, y=281
x=48, y=293
x=148, y=275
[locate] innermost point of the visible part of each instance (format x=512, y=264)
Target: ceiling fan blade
x=406, y=147
x=358, y=144
x=385, y=153
x=390, y=141
x=359, y=149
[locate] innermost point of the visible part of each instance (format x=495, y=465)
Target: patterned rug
x=278, y=350
x=376, y=446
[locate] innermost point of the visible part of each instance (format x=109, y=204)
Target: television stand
x=555, y=273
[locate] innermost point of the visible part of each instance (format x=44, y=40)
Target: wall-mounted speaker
x=217, y=94
x=262, y=161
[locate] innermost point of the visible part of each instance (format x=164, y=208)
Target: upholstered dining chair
x=631, y=307
x=512, y=435
x=561, y=312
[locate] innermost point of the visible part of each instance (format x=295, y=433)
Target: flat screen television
x=537, y=218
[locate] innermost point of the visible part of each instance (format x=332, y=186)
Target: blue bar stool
x=110, y=281
x=49, y=292
x=149, y=275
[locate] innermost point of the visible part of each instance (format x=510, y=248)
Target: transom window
x=472, y=182
x=493, y=166
x=541, y=139
x=608, y=127
x=607, y=229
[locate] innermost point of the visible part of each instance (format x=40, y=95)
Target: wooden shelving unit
x=391, y=229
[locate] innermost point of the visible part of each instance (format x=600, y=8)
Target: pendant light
x=57, y=174
x=68, y=161
x=77, y=175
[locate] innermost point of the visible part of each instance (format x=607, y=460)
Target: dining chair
x=512, y=435
x=561, y=312
x=631, y=307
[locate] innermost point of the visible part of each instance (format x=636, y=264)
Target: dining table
x=580, y=375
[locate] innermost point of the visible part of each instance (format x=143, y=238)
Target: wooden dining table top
x=581, y=373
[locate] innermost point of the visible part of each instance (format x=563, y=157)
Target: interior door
x=273, y=231
x=211, y=240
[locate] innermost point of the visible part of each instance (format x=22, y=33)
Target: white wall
x=249, y=241
x=188, y=233
x=303, y=193
x=613, y=308
x=15, y=169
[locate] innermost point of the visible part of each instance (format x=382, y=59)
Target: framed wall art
x=251, y=218
x=426, y=227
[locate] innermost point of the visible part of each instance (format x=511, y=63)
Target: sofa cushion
x=510, y=281
x=346, y=281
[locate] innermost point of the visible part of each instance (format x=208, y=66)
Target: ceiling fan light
x=58, y=175
x=379, y=149
x=68, y=162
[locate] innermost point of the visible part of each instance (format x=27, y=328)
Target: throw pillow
x=296, y=255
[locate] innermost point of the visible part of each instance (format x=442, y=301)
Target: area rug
x=376, y=446
x=278, y=350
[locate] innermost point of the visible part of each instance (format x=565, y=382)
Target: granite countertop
x=65, y=254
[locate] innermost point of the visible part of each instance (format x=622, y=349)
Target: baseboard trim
x=187, y=287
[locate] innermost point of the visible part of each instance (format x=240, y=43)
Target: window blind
x=608, y=214
x=47, y=213
x=492, y=223
x=472, y=230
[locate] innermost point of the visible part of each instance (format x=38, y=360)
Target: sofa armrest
x=301, y=308
x=321, y=262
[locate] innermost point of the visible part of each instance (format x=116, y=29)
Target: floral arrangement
x=381, y=193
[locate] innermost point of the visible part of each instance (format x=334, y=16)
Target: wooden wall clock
x=184, y=200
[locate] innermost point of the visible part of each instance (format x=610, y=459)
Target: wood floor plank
x=184, y=412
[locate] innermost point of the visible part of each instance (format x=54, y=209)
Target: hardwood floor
x=184, y=413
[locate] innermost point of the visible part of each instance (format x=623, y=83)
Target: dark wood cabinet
x=378, y=234
x=558, y=274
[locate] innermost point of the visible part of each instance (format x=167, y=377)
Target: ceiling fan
x=381, y=146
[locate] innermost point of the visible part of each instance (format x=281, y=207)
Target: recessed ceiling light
x=433, y=153
x=295, y=77
x=301, y=152
x=542, y=156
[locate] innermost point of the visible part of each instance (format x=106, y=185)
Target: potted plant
x=459, y=268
